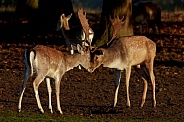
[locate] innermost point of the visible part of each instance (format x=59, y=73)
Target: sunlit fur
x=123, y=53
x=50, y=63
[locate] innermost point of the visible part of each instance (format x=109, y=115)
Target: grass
x=12, y=116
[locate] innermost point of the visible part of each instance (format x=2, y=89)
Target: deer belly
x=53, y=72
x=115, y=64
x=138, y=58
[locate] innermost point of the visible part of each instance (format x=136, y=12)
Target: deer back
x=124, y=51
x=47, y=58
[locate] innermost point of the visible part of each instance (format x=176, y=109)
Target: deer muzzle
x=91, y=69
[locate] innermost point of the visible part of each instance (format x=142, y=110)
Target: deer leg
x=117, y=83
x=145, y=77
x=57, y=87
x=26, y=77
x=159, y=26
x=153, y=26
x=128, y=72
x=69, y=45
x=149, y=66
x=49, y=93
x=36, y=84
x=147, y=28
x=140, y=29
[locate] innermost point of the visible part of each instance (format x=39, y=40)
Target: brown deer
x=147, y=13
x=123, y=53
x=77, y=35
x=50, y=63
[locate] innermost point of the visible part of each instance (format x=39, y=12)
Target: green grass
x=12, y=116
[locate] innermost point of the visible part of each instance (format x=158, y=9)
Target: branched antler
x=117, y=25
x=84, y=23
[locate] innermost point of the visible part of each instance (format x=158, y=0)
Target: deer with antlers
x=50, y=63
x=74, y=36
x=123, y=53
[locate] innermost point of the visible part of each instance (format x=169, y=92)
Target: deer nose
x=67, y=28
x=91, y=69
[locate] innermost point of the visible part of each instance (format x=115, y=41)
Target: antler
x=84, y=23
x=117, y=25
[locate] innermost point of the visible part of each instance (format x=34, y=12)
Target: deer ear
x=63, y=15
x=69, y=16
x=123, y=22
x=99, y=52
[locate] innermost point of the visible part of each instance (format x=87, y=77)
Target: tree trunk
x=44, y=14
x=49, y=13
x=114, y=8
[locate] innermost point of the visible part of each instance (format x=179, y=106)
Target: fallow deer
x=147, y=13
x=50, y=63
x=73, y=36
x=123, y=53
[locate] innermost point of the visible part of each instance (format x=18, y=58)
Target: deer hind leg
x=57, y=87
x=49, y=93
x=149, y=66
x=117, y=83
x=26, y=77
x=141, y=71
x=128, y=72
x=159, y=29
x=36, y=84
x=140, y=28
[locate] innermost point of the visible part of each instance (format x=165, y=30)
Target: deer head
x=64, y=21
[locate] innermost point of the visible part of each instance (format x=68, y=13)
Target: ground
x=91, y=94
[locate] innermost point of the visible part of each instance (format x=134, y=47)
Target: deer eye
x=96, y=58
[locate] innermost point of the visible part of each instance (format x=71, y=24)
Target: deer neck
x=112, y=58
x=64, y=33
x=108, y=55
x=72, y=60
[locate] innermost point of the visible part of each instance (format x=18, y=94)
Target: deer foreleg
x=128, y=72
x=117, y=83
x=69, y=45
x=57, y=87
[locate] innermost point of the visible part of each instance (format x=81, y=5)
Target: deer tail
x=28, y=69
x=28, y=56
